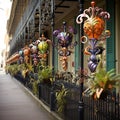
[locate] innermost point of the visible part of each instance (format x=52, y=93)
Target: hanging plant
x=35, y=87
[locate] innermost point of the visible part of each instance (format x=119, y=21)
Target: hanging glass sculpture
x=26, y=51
x=94, y=29
x=64, y=40
x=34, y=53
x=42, y=44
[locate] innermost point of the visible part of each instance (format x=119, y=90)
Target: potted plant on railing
x=60, y=97
x=45, y=75
x=12, y=69
x=102, y=83
x=25, y=69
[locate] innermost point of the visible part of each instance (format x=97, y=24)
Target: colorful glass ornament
x=43, y=44
x=94, y=29
x=64, y=38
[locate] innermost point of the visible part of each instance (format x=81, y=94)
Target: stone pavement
x=17, y=104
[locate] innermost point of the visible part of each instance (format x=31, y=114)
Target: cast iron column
x=52, y=94
x=52, y=23
x=81, y=104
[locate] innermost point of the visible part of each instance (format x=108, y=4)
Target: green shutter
x=77, y=47
x=110, y=49
x=55, y=57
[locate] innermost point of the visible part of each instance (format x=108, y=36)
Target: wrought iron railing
x=107, y=109
x=102, y=109
x=44, y=93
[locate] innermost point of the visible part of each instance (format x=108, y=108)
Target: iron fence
x=44, y=93
x=102, y=109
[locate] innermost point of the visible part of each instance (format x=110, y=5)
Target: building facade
x=30, y=18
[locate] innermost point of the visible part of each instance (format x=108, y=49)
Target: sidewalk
x=17, y=104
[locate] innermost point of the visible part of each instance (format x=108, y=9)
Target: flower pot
x=47, y=81
x=101, y=94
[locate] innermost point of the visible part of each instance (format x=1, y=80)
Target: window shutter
x=77, y=47
x=55, y=57
x=110, y=48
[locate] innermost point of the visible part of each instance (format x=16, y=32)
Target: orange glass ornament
x=93, y=27
x=26, y=51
